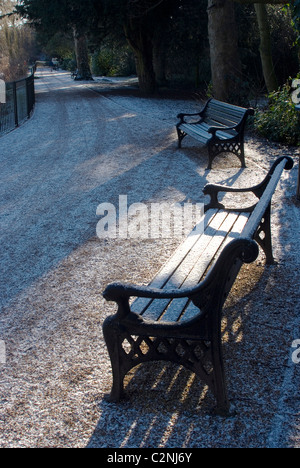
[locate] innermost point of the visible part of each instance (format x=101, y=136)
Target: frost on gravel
x=84, y=147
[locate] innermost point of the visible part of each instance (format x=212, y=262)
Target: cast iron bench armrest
x=182, y=116
x=119, y=291
x=199, y=114
x=213, y=190
x=215, y=129
x=122, y=292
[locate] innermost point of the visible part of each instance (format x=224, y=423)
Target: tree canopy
x=203, y=39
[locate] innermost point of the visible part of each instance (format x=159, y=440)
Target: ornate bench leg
x=211, y=157
x=223, y=405
x=181, y=136
x=263, y=236
x=112, y=343
x=236, y=147
x=242, y=156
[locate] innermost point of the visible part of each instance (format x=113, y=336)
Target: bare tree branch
x=6, y=15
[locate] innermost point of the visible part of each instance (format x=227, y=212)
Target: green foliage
x=113, y=60
x=69, y=64
x=295, y=8
x=280, y=121
x=102, y=63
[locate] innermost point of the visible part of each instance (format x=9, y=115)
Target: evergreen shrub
x=280, y=122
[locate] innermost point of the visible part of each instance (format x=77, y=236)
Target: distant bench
x=220, y=127
x=178, y=316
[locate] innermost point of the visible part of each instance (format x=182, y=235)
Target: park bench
x=219, y=126
x=178, y=316
x=74, y=74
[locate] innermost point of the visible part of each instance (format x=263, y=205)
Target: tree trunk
x=141, y=43
x=82, y=56
x=224, y=56
x=159, y=63
x=160, y=55
x=265, y=48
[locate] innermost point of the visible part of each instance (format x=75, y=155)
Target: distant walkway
x=51, y=172
x=57, y=168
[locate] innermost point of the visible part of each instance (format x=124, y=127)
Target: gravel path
x=86, y=145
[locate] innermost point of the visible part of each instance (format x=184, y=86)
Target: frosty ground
x=86, y=144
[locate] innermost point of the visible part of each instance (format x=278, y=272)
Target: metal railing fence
x=20, y=101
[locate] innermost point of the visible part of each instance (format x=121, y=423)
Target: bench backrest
x=265, y=200
x=217, y=112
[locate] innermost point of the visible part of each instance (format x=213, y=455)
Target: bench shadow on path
x=57, y=228
x=61, y=209
x=168, y=406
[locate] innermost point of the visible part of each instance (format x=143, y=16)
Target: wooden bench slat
x=232, y=228
x=166, y=271
x=214, y=103
x=230, y=111
x=181, y=256
x=191, y=309
x=197, y=132
x=178, y=276
x=225, y=135
x=235, y=114
x=194, y=266
x=227, y=120
x=204, y=254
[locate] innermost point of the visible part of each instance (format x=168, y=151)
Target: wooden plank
x=224, y=119
x=167, y=270
x=231, y=113
x=237, y=231
x=208, y=254
x=227, y=106
x=195, y=264
x=197, y=132
x=225, y=113
x=223, y=135
x=234, y=224
x=226, y=135
x=178, y=276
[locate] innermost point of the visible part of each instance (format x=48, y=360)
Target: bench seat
x=187, y=267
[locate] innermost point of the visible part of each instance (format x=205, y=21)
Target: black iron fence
x=20, y=100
